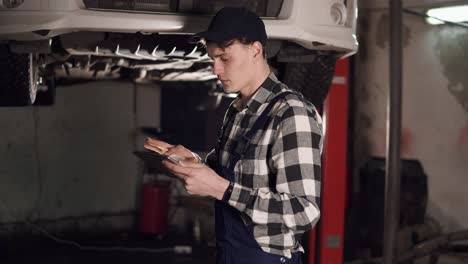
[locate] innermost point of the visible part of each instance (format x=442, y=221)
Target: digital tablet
x=153, y=160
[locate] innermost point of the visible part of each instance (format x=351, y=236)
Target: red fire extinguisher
x=154, y=208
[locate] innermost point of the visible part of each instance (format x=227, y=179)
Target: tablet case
x=153, y=161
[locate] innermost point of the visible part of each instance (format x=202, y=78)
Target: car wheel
x=19, y=74
x=46, y=87
x=46, y=93
x=312, y=79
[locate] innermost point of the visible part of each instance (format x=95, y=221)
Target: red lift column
x=334, y=172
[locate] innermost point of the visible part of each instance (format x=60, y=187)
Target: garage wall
x=435, y=106
x=74, y=160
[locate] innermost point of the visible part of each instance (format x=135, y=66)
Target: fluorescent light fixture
x=455, y=14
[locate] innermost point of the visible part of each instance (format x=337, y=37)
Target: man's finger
x=155, y=142
x=155, y=149
x=177, y=169
x=180, y=150
x=180, y=176
x=191, y=163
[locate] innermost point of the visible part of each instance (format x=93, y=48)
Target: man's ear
x=257, y=48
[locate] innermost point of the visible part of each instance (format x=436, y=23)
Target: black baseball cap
x=231, y=23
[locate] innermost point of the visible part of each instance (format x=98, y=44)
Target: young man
x=265, y=171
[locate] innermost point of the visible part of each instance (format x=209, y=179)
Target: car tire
x=46, y=97
x=19, y=74
x=313, y=79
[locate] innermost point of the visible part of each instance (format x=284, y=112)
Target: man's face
x=233, y=65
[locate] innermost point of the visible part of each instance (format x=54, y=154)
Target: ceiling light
x=455, y=14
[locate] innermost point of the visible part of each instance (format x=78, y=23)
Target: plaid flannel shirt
x=277, y=181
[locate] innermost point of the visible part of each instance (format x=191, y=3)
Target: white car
x=146, y=40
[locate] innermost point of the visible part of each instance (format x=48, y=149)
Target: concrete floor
x=125, y=248
x=116, y=250
x=446, y=259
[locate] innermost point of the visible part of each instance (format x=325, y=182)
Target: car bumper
x=301, y=21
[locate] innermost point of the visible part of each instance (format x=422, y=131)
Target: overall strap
x=261, y=120
x=245, y=139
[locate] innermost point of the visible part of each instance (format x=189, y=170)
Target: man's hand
x=165, y=148
x=199, y=179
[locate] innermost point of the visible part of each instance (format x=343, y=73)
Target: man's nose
x=217, y=69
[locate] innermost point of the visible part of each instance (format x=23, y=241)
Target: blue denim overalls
x=234, y=240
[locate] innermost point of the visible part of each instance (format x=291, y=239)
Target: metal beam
x=393, y=175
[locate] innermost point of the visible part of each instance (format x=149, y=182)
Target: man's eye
x=224, y=59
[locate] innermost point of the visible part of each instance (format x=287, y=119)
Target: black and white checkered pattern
x=277, y=180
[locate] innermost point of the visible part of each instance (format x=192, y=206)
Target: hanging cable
x=178, y=249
